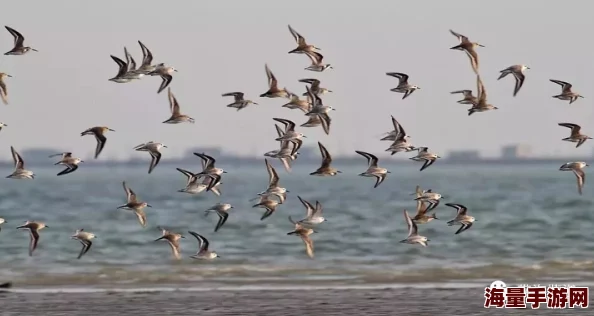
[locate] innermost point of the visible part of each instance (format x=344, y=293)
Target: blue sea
x=532, y=227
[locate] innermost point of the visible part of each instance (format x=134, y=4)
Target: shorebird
x=289, y=133
x=222, y=211
x=67, y=160
x=209, y=170
x=2, y=125
x=2, y=221
x=134, y=205
x=302, y=46
x=468, y=97
x=19, y=167
x=566, y=93
x=518, y=72
x=3, y=90
x=273, y=90
x=578, y=169
x=413, y=235
x=317, y=63
x=481, y=103
x=287, y=152
x=325, y=169
x=314, y=86
x=426, y=156
x=176, y=116
x=297, y=103
x=469, y=48
x=373, y=170
x=313, y=121
x=428, y=196
x=304, y=233
x=397, y=131
x=319, y=110
x=313, y=215
x=403, y=85
x=99, y=133
x=166, y=74
x=273, y=187
x=147, y=59
x=203, y=252
x=19, y=48
x=85, y=239
x=421, y=217
x=461, y=217
x=267, y=203
x=132, y=72
x=172, y=240
x=153, y=149
x=400, y=138
x=576, y=136
x=239, y=102
x=120, y=77
x=195, y=185
x=34, y=228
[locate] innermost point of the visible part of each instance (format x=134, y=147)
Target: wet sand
x=263, y=302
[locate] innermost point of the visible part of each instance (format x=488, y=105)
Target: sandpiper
x=134, y=205
x=222, y=211
x=99, y=133
x=400, y=138
x=302, y=45
x=287, y=152
x=304, y=233
x=120, y=77
x=67, y=160
x=172, y=240
x=2, y=221
x=481, y=103
x=317, y=63
x=210, y=170
x=468, y=97
x=319, y=110
x=203, y=252
x=239, y=102
x=85, y=239
x=3, y=90
x=461, y=217
x=518, y=72
x=153, y=149
x=425, y=156
x=313, y=215
x=325, y=169
x=273, y=90
x=273, y=187
x=196, y=185
x=147, y=59
x=166, y=74
x=413, y=235
x=176, y=116
x=289, y=134
x=373, y=170
x=267, y=203
x=469, y=48
x=34, y=228
x=2, y=125
x=403, y=85
x=297, y=103
x=19, y=167
x=566, y=93
x=314, y=86
x=421, y=217
x=132, y=72
x=396, y=133
x=428, y=196
x=19, y=48
x=578, y=169
x=576, y=136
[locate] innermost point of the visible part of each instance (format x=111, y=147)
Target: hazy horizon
x=219, y=47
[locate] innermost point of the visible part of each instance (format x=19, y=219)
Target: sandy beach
x=263, y=302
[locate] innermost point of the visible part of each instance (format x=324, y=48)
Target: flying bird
x=99, y=133
x=176, y=116
x=67, y=160
x=578, y=169
x=173, y=241
x=239, y=101
x=469, y=48
x=461, y=218
x=34, y=228
x=566, y=93
x=153, y=149
x=403, y=85
x=518, y=72
x=19, y=48
x=19, y=167
x=325, y=169
x=302, y=46
x=304, y=232
x=84, y=238
x=3, y=90
x=413, y=235
x=273, y=89
x=575, y=136
x=427, y=157
x=203, y=252
x=373, y=170
x=222, y=211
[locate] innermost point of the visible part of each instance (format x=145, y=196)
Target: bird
x=166, y=75
x=578, y=169
x=325, y=169
x=273, y=90
x=296, y=103
x=120, y=77
x=197, y=184
x=425, y=156
x=273, y=188
x=132, y=72
x=468, y=97
x=302, y=46
x=566, y=93
x=413, y=235
x=469, y=48
x=289, y=133
x=210, y=170
x=304, y=233
x=397, y=132
x=67, y=160
x=99, y=133
x=2, y=125
x=133, y=204
x=172, y=240
x=421, y=217
x=222, y=211
x=267, y=203
x=313, y=215
x=428, y=196
x=373, y=170
x=19, y=167
x=176, y=116
x=481, y=103
x=287, y=152
x=518, y=72
x=401, y=142
x=403, y=85
x=19, y=48
x=239, y=101
x=84, y=238
x=314, y=86
x=2, y=221
x=317, y=63
x=153, y=149
x=461, y=218
x=575, y=136
x=3, y=90
x=203, y=252
x=319, y=111
x=34, y=228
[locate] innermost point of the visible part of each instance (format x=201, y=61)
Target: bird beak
x=82, y=161
x=231, y=207
x=183, y=236
x=149, y=205
x=333, y=109
x=290, y=191
x=388, y=172
x=33, y=49
x=428, y=239
x=7, y=75
x=111, y=129
x=224, y=171
x=46, y=226
x=164, y=146
x=175, y=70
x=304, y=136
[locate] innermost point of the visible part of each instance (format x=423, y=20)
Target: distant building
x=463, y=155
x=516, y=152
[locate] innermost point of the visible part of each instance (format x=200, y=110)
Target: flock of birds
x=290, y=141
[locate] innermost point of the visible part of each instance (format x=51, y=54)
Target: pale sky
x=222, y=46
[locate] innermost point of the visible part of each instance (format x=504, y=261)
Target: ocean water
x=532, y=227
